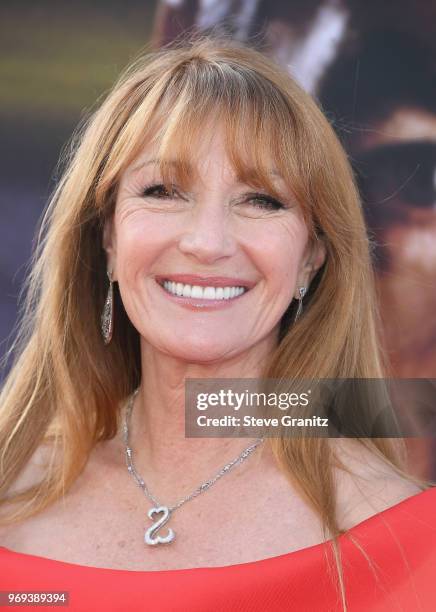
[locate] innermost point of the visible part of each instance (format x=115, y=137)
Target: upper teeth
x=204, y=293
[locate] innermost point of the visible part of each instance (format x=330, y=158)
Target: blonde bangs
x=190, y=103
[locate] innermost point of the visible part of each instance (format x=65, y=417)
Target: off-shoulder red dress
x=400, y=543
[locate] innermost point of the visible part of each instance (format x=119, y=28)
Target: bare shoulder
x=33, y=471
x=30, y=475
x=369, y=484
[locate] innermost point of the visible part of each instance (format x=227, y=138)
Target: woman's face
x=208, y=243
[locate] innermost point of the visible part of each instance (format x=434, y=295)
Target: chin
x=200, y=354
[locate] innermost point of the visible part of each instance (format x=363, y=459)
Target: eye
x=159, y=191
x=265, y=202
x=261, y=201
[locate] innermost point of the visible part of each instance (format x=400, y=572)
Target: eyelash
x=269, y=202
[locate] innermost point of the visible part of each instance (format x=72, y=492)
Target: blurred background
x=371, y=66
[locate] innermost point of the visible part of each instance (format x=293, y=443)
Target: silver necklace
x=151, y=537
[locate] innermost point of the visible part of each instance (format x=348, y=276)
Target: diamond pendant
x=150, y=537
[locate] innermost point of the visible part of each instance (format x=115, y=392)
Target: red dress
x=400, y=542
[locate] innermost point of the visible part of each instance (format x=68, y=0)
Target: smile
x=202, y=293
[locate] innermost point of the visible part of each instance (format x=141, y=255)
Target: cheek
x=280, y=249
x=141, y=237
x=133, y=251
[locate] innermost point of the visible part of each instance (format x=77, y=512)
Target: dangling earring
x=107, y=317
x=302, y=292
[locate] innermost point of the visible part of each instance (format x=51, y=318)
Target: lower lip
x=199, y=304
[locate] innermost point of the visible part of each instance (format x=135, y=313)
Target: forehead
x=151, y=164
x=210, y=157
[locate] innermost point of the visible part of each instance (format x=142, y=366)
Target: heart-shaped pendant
x=148, y=538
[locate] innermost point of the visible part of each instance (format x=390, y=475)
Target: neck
x=162, y=454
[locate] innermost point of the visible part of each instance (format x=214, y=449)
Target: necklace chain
x=203, y=487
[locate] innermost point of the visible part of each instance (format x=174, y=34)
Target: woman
x=206, y=226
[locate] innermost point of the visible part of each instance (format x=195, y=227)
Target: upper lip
x=206, y=281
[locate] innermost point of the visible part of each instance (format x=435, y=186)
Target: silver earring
x=107, y=317
x=302, y=293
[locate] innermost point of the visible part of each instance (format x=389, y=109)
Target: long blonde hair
x=66, y=387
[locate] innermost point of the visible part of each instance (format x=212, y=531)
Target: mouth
x=213, y=290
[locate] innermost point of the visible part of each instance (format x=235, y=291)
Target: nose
x=207, y=236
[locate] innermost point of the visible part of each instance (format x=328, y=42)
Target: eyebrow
x=172, y=162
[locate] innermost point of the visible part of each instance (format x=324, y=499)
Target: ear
x=109, y=245
x=314, y=257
